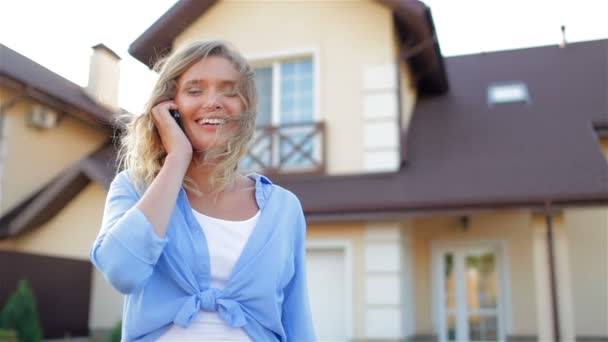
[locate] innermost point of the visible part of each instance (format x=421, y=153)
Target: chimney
x=104, y=74
x=563, y=43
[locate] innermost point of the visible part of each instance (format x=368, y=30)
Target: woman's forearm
x=158, y=202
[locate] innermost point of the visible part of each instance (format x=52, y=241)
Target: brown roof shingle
x=46, y=86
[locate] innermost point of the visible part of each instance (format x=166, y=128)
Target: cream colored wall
x=72, y=231
x=34, y=157
x=6, y=96
x=587, y=236
x=408, y=95
x=106, y=303
x=561, y=255
x=511, y=226
x=355, y=233
x=348, y=36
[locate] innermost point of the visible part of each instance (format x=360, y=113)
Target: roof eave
x=419, y=45
x=157, y=40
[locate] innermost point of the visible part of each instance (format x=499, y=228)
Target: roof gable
x=418, y=42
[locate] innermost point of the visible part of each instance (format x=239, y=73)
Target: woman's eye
x=194, y=91
x=230, y=92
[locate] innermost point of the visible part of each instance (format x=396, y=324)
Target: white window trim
x=409, y=289
x=346, y=246
x=438, y=247
x=273, y=59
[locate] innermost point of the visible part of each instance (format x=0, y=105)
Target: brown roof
x=41, y=84
x=414, y=23
x=463, y=153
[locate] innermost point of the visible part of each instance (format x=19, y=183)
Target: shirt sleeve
x=297, y=318
x=127, y=248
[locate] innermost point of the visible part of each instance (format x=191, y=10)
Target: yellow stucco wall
x=409, y=94
x=604, y=144
x=347, y=37
x=71, y=233
x=587, y=235
x=354, y=232
x=512, y=226
x=33, y=157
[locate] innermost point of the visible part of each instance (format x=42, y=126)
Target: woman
x=201, y=252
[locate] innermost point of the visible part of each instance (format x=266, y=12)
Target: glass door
x=469, y=294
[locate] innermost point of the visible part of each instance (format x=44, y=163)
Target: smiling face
x=207, y=96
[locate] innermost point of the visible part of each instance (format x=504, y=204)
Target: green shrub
x=116, y=331
x=20, y=314
x=8, y=335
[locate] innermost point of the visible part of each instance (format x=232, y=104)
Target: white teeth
x=211, y=121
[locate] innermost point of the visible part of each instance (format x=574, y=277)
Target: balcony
x=294, y=148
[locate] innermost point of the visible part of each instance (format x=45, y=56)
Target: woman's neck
x=200, y=174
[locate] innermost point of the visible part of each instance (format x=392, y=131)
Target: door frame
x=439, y=247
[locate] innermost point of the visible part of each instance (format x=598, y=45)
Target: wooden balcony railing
x=288, y=148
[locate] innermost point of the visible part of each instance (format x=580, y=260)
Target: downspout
x=552, y=272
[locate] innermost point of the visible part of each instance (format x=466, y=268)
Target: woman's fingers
x=172, y=137
x=160, y=112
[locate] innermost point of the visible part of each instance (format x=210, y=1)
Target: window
x=507, y=92
x=604, y=145
x=286, y=103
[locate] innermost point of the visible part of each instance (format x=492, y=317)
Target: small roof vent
x=508, y=92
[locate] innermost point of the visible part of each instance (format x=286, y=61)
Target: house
x=56, y=164
x=457, y=198
x=449, y=199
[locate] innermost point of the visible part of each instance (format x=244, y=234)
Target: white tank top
x=225, y=240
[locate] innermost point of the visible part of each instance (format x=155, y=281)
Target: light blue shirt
x=167, y=280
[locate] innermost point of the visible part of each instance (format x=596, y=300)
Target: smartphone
x=178, y=118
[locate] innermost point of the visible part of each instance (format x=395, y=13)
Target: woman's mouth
x=210, y=122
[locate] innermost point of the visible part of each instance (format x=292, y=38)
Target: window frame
x=275, y=59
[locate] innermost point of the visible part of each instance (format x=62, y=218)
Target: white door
x=326, y=290
x=468, y=294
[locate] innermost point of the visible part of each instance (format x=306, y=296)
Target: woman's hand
x=172, y=137
x=158, y=201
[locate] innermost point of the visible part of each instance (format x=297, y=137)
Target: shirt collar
x=263, y=188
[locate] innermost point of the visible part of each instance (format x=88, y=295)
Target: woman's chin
x=203, y=146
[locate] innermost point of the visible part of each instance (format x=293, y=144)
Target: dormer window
x=507, y=92
x=601, y=129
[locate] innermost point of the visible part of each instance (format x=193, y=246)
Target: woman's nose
x=213, y=101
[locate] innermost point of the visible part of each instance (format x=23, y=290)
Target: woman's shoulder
x=125, y=179
x=279, y=193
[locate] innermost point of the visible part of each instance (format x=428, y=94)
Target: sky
x=59, y=34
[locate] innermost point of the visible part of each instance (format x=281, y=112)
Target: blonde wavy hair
x=140, y=148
